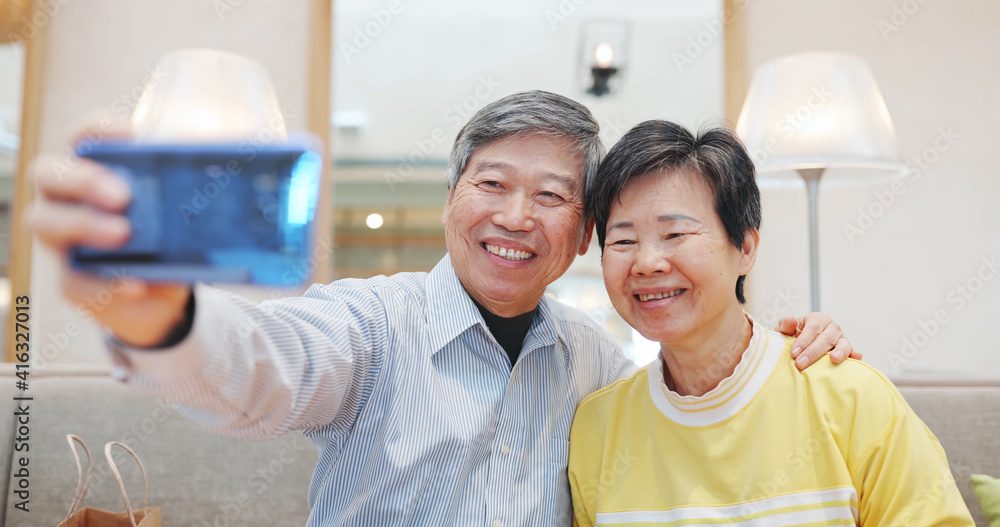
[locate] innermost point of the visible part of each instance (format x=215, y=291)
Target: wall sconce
x=602, y=70
x=603, y=56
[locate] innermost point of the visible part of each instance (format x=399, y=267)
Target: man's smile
x=508, y=253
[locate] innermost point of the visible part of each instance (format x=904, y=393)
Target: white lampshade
x=817, y=110
x=208, y=95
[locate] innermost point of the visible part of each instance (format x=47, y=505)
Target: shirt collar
x=733, y=393
x=543, y=329
x=451, y=311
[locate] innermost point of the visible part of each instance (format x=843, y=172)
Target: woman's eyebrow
x=676, y=217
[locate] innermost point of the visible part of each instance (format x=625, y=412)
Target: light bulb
x=374, y=220
x=603, y=55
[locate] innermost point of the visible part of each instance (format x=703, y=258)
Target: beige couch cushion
x=966, y=419
x=193, y=475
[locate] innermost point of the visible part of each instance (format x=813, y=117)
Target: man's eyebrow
x=571, y=182
x=483, y=166
x=676, y=217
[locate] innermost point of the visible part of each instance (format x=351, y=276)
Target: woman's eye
x=674, y=235
x=622, y=242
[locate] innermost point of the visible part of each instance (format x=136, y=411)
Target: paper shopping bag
x=90, y=517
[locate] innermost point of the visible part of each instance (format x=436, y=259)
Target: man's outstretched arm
x=233, y=366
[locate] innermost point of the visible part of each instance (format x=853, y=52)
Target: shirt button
x=505, y=450
x=497, y=523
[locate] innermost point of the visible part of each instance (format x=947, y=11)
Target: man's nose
x=650, y=259
x=517, y=213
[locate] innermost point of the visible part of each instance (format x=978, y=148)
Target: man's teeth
x=508, y=254
x=657, y=296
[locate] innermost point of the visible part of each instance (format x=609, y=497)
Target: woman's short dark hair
x=715, y=154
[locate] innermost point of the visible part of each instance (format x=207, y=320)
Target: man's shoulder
x=591, y=347
x=577, y=325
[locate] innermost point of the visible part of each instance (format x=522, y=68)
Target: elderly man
x=440, y=398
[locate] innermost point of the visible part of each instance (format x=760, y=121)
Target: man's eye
x=491, y=183
x=674, y=235
x=550, y=196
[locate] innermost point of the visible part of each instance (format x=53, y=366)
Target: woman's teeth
x=508, y=254
x=657, y=296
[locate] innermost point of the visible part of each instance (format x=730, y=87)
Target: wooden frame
x=735, y=60
x=35, y=60
x=318, y=121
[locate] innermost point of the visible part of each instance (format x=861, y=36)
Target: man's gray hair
x=529, y=113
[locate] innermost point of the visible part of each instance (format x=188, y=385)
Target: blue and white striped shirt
x=418, y=416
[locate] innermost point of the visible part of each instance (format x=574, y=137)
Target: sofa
x=203, y=480
x=196, y=478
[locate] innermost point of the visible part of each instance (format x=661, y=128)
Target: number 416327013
x=22, y=316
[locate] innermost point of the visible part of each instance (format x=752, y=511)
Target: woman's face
x=669, y=267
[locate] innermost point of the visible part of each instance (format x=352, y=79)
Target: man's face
x=514, y=221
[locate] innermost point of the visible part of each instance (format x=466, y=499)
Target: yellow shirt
x=770, y=446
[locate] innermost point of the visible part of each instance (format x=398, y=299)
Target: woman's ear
x=748, y=253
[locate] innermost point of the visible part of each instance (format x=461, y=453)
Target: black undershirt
x=509, y=332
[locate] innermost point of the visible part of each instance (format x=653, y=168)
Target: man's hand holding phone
x=83, y=207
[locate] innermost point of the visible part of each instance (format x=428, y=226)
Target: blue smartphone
x=212, y=212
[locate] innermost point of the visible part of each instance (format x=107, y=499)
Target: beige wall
x=424, y=59
x=936, y=63
x=11, y=78
x=100, y=52
x=436, y=62
x=936, y=72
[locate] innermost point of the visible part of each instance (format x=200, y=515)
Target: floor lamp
x=813, y=111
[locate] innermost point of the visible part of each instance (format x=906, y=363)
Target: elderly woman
x=723, y=429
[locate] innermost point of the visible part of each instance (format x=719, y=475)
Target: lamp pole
x=812, y=176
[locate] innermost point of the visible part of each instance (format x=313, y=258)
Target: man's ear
x=588, y=233
x=748, y=253
x=447, y=208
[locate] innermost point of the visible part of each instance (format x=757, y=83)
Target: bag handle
x=121, y=485
x=78, y=497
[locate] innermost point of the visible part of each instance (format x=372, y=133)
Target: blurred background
x=907, y=261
